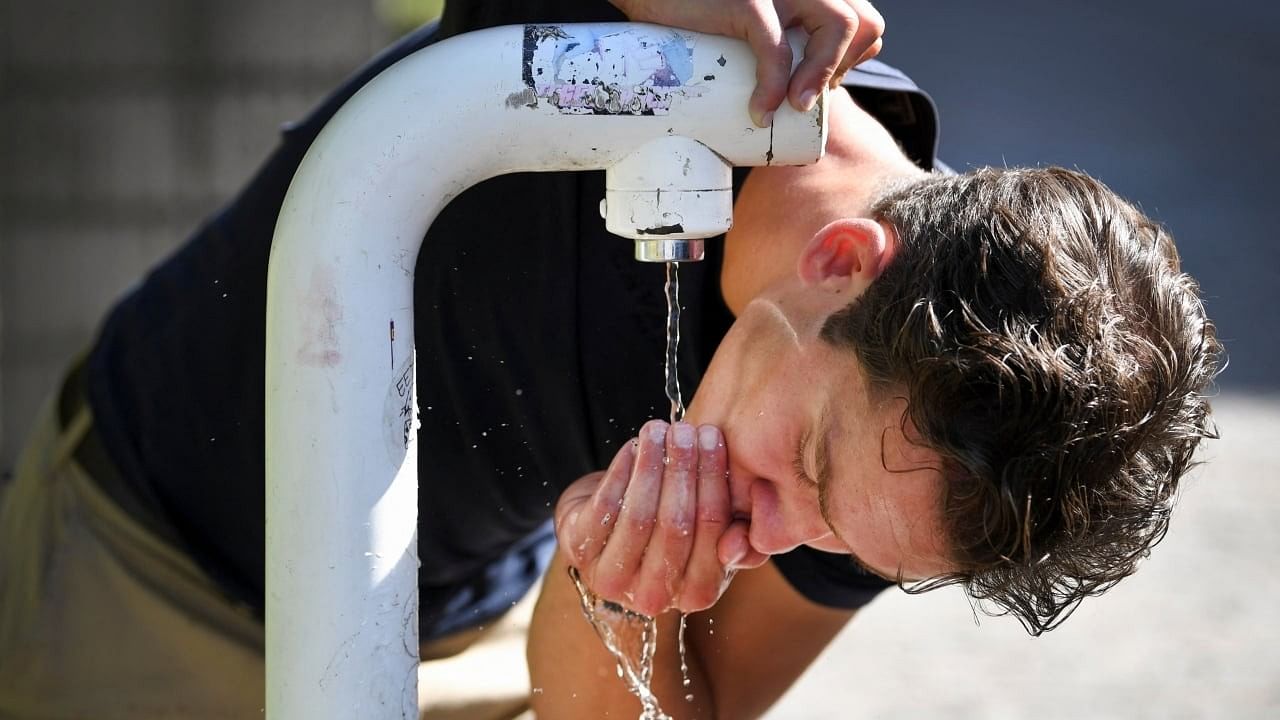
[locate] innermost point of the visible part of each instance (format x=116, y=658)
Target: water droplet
x=607, y=517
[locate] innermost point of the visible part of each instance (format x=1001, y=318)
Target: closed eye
x=797, y=463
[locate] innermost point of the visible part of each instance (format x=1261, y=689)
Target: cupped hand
x=655, y=532
x=842, y=34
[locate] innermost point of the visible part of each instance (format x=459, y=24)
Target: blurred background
x=122, y=123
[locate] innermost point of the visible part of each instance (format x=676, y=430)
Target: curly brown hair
x=1055, y=356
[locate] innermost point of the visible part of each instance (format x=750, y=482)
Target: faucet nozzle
x=670, y=250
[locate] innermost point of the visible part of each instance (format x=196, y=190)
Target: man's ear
x=847, y=252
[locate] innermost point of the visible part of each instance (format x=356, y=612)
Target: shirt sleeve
x=829, y=579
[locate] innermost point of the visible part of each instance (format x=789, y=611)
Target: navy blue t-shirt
x=541, y=342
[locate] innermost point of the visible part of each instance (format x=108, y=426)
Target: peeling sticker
x=604, y=70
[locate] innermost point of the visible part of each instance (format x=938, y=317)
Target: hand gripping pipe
x=664, y=112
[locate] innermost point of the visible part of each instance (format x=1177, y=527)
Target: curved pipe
x=341, y=565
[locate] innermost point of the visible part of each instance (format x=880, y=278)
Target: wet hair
x=1055, y=356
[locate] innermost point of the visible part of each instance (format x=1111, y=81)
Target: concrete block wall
x=121, y=125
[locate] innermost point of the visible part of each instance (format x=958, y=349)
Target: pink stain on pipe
x=322, y=315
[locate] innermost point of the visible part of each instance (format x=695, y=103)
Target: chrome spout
x=670, y=250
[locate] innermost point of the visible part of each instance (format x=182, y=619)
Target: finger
x=838, y=79
x=734, y=548
x=663, y=567
x=867, y=41
x=704, y=574
x=870, y=26
x=763, y=32
x=613, y=575
x=590, y=525
x=871, y=52
x=830, y=35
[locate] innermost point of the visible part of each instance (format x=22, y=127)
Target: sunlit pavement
x=1193, y=635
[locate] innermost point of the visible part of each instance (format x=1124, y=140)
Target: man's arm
x=743, y=653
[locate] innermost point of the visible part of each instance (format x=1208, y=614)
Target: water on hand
x=632, y=638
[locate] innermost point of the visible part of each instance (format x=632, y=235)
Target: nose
x=783, y=514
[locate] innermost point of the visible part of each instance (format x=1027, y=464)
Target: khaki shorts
x=100, y=618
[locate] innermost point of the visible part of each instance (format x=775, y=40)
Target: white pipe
x=341, y=565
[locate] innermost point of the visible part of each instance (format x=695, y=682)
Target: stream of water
x=632, y=638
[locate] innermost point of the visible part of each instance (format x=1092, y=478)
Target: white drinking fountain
x=663, y=111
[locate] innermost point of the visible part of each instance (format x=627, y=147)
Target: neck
x=780, y=208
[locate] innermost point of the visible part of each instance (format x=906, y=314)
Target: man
x=990, y=379
x=845, y=427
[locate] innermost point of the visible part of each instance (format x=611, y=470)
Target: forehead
x=883, y=494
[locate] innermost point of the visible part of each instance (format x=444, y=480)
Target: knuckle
x=574, y=547
x=635, y=523
x=699, y=597
x=651, y=600
x=846, y=26
x=610, y=586
x=713, y=515
x=604, y=508
x=874, y=22
x=870, y=21
x=757, y=12
x=676, y=530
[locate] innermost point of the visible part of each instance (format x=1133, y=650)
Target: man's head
x=1054, y=357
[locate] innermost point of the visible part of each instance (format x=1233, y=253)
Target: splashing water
x=632, y=638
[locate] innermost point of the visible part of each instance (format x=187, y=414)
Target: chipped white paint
x=341, y=594
x=669, y=188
